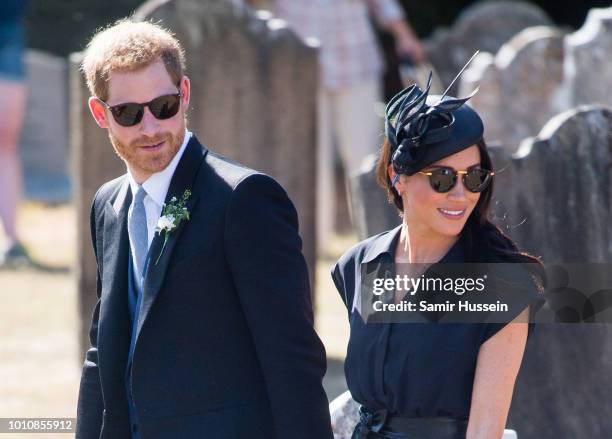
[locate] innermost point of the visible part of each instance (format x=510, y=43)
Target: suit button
x=134, y=428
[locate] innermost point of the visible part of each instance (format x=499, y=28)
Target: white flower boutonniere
x=173, y=214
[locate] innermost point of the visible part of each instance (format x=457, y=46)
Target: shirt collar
x=385, y=244
x=157, y=184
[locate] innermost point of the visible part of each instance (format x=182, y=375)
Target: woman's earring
x=395, y=180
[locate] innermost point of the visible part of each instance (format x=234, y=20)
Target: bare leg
x=12, y=109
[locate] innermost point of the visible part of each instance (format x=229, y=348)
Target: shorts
x=12, y=43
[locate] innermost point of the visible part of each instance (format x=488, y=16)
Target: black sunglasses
x=130, y=114
x=443, y=179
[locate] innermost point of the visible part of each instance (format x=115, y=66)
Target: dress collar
x=386, y=243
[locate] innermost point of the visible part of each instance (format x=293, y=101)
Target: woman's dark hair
x=482, y=234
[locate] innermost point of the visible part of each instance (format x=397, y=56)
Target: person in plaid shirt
x=351, y=68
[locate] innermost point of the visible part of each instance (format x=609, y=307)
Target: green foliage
x=176, y=208
x=173, y=214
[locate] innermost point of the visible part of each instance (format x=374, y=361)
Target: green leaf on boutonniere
x=173, y=214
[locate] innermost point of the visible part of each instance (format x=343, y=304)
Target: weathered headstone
x=564, y=196
x=44, y=139
x=520, y=88
x=484, y=26
x=371, y=212
x=588, y=66
x=540, y=73
x=253, y=99
x=557, y=192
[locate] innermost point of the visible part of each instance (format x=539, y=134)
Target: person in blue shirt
x=12, y=109
x=428, y=379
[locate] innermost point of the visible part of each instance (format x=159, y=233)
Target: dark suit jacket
x=225, y=343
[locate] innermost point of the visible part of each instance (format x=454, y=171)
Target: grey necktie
x=139, y=236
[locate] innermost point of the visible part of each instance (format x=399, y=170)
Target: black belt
x=386, y=425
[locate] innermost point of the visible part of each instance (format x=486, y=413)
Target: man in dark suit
x=203, y=326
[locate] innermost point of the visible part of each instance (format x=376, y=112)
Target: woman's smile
x=453, y=214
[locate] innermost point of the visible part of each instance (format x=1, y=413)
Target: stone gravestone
x=556, y=189
x=44, y=139
x=371, y=212
x=520, y=88
x=588, y=67
x=253, y=99
x=564, y=187
x=484, y=26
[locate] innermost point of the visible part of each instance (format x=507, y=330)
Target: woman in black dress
x=429, y=380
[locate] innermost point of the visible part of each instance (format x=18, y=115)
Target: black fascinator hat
x=423, y=129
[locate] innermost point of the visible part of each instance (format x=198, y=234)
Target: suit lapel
x=113, y=305
x=183, y=179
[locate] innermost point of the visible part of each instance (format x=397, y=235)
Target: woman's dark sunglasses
x=130, y=114
x=443, y=179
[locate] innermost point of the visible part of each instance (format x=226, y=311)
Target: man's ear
x=97, y=111
x=185, y=92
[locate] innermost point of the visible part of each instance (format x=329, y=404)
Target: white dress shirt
x=156, y=187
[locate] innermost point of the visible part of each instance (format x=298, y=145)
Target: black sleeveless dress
x=414, y=370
